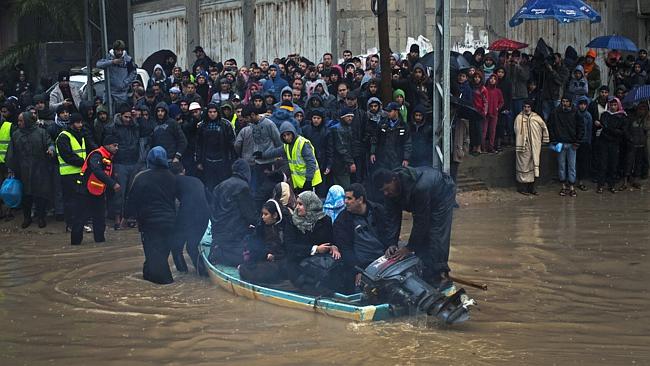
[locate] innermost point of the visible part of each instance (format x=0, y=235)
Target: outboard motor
x=399, y=283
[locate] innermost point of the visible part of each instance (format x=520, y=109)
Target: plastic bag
x=11, y=192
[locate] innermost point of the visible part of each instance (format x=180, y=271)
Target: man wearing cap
x=122, y=72
x=174, y=95
x=44, y=115
x=592, y=72
x=189, y=126
x=530, y=132
x=390, y=142
x=202, y=59
x=126, y=133
x=71, y=151
x=95, y=180
x=65, y=93
x=342, y=162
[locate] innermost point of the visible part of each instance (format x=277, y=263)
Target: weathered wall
x=312, y=27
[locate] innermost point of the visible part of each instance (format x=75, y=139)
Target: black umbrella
x=458, y=62
x=464, y=109
x=160, y=58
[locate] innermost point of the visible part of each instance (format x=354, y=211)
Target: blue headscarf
x=335, y=202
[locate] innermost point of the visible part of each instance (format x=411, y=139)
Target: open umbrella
x=505, y=44
x=564, y=11
x=638, y=94
x=613, y=42
x=158, y=57
x=458, y=62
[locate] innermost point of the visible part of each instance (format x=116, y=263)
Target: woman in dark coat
x=309, y=233
x=266, y=253
x=28, y=156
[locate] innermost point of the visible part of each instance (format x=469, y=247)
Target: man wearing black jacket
x=168, y=133
x=566, y=127
x=430, y=196
x=152, y=201
x=233, y=216
x=359, y=231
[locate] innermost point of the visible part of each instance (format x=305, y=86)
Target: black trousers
x=215, y=172
x=38, y=203
x=608, y=155
x=435, y=253
x=157, y=245
x=190, y=238
x=85, y=207
x=583, y=161
x=69, y=190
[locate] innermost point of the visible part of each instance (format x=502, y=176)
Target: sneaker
x=563, y=192
x=42, y=223
x=88, y=229
x=26, y=223
x=573, y=193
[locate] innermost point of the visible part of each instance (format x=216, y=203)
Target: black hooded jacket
x=233, y=209
x=424, y=190
x=168, y=134
x=151, y=199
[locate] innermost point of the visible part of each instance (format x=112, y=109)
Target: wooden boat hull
x=339, y=306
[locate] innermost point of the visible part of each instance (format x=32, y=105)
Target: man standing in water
x=151, y=200
x=430, y=196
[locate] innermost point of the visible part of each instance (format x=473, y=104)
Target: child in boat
x=266, y=253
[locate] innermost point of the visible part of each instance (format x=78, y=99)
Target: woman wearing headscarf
x=265, y=253
x=283, y=193
x=309, y=233
x=28, y=156
x=335, y=202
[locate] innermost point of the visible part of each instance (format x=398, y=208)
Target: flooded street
x=568, y=284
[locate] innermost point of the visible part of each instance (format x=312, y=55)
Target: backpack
x=321, y=274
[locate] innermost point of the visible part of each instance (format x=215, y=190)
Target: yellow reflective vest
x=80, y=150
x=297, y=163
x=5, y=137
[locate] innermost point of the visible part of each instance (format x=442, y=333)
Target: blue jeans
x=548, y=106
x=566, y=163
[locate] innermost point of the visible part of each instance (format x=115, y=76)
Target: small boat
x=340, y=306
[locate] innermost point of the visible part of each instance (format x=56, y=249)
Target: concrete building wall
x=312, y=27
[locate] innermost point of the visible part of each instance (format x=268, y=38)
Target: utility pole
x=107, y=78
x=380, y=9
x=89, y=68
x=442, y=79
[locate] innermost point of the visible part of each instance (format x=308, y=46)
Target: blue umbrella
x=638, y=94
x=613, y=43
x=564, y=11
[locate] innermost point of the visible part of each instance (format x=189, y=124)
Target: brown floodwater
x=568, y=285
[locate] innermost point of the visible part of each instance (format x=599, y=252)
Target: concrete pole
x=334, y=29
x=384, y=50
x=108, y=101
x=88, y=43
x=248, y=18
x=192, y=16
x=417, y=24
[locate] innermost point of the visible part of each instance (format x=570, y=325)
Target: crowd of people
x=226, y=142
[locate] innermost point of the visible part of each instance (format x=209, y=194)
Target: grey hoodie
x=307, y=152
x=259, y=136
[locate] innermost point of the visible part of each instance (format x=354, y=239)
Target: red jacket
x=495, y=100
x=481, y=100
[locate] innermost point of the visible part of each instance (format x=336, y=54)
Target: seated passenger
x=266, y=253
x=335, y=202
x=360, y=233
x=233, y=216
x=284, y=194
x=308, y=235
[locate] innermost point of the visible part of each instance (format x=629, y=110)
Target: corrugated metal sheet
x=560, y=36
x=156, y=30
x=222, y=30
x=289, y=26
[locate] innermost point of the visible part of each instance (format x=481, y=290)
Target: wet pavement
x=568, y=285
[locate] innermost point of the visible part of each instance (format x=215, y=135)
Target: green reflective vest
x=297, y=164
x=5, y=137
x=80, y=150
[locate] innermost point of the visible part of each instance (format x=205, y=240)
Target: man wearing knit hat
x=342, y=143
x=592, y=72
x=65, y=93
